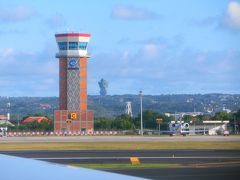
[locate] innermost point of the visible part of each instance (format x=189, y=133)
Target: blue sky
x=160, y=47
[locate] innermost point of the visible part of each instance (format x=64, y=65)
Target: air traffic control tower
x=73, y=114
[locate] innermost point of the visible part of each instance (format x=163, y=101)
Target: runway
x=210, y=173
x=194, y=164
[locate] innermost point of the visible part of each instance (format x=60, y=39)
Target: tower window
x=82, y=45
x=73, y=45
x=62, y=45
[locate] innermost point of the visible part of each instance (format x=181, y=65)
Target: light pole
x=159, y=121
x=235, y=127
x=141, y=94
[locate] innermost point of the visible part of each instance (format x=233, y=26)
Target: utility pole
x=159, y=121
x=141, y=94
x=235, y=127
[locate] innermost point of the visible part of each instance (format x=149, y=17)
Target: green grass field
x=13, y=146
x=123, y=166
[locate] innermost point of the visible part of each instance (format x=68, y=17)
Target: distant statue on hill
x=103, y=85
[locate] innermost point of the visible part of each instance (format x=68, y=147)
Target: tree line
x=125, y=122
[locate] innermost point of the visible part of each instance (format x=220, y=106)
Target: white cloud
x=232, y=17
x=56, y=21
x=208, y=21
x=16, y=14
x=229, y=19
x=6, y=53
x=31, y=74
x=133, y=13
x=151, y=50
x=167, y=72
x=157, y=69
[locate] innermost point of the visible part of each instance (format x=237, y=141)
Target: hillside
x=109, y=106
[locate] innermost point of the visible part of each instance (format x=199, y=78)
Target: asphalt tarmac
x=194, y=164
x=209, y=173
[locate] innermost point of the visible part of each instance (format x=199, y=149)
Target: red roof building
x=3, y=117
x=39, y=119
x=45, y=106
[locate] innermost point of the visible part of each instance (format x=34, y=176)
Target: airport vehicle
x=178, y=127
x=226, y=133
x=3, y=131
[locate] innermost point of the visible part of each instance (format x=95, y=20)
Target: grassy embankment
x=13, y=146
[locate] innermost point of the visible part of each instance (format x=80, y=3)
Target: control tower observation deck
x=73, y=114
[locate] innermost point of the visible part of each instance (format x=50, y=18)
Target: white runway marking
x=163, y=157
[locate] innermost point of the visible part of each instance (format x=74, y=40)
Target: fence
x=79, y=133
